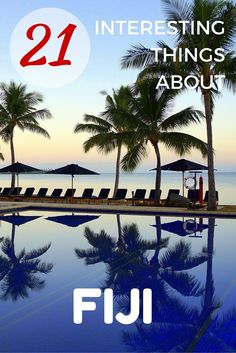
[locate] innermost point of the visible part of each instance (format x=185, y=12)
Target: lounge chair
x=28, y=193
x=9, y=193
x=6, y=192
x=139, y=195
x=103, y=195
x=40, y=195
x=54, y=197
x=206, y=197
x=69, y=193
x=56, y=193
x=87, y=194
x=150, y=200
x=42, y=192
x=173, y=191
x=120, y=195
x=68, y=196
x=193, y=195
x=15, y=191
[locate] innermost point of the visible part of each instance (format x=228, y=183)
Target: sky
x=68, y=104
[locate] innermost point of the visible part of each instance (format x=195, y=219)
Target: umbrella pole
x=17, y=177
x=183, y=181
x=72, y=181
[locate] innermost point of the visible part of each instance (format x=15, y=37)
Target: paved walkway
x=7, y=207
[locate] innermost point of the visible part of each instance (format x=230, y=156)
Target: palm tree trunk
x=208, y=309
x=155, y=258
x=158, y=176
x=154, y=267
x=117, y=179
x=209, y=287
x=13, y=233
x=210, y=156
x=13, y=176
x=120, y=242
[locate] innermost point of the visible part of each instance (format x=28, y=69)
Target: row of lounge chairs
x=15, y=194
x=139, y=195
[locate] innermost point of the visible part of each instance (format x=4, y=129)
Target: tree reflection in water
x=18, y=272
x=184, y=329
x=136, y=263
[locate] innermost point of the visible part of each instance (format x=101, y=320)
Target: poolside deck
x=222, y=212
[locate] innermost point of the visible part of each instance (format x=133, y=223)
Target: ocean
x=225, y=183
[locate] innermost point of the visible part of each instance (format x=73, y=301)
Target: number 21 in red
x=26, y=60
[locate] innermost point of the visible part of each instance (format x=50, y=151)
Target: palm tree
x=131, y=267
x=153, y=124
x=106, y=249
x=18, y=271
x=108, y=129
x=179, y=327
x=204, y=11
x=166, y=272
x=175, y=325
x=18, y=108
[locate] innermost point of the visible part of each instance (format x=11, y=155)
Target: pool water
x=188, y=264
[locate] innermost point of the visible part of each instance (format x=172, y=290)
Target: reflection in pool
x=19, y=271
x=188, y=264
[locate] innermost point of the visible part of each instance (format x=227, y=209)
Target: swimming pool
x=189, y=264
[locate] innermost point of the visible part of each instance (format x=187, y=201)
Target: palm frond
x=183, y=143
x=97, y=120
x=184, y=283
x=89, y=253
x=21, y=254
x=90, y=128
x=177, y=10
x=37, y=114
x=99, y=240
x=6, y=247
x=5, y=134
x=4, y=114
x=44, y=268
x=33, y=254
x=182, y=119
x=105, y=142
x=227, y=69
x=36, y=129
x=137, y=57
x=134, y=156
x=179, y=258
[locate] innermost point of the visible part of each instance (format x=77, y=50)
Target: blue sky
x=69, y=103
